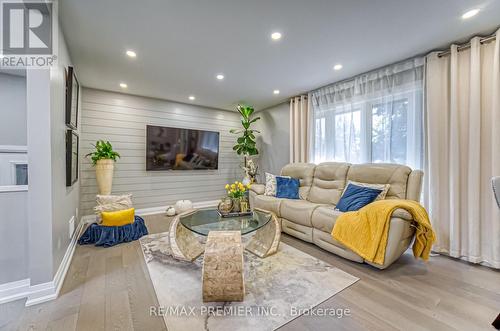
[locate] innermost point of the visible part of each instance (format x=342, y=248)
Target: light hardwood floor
x=110, y=289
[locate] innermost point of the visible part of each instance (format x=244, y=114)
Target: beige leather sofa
x=312, y=217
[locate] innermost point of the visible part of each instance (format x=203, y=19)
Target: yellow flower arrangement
x=237, y=189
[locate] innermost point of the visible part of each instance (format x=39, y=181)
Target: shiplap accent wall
x=122, y=119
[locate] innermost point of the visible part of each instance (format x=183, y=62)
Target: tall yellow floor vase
x=104, y=175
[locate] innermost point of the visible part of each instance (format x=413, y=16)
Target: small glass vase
x=236, y=205
x=244, y=206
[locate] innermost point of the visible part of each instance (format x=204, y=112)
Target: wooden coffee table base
x=223, y=274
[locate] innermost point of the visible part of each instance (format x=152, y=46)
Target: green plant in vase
x=245, y=143
x=103, y=151
x=103, y=159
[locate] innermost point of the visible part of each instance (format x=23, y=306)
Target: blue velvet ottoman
x=108, y=236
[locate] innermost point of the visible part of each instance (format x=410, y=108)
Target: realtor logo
x=27, y=28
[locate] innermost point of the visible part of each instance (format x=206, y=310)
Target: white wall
x=13, y=212
x=122, y=120
x=39, y=204
x=13, y=236
x=65, y=200
x=12, y=110
x=12, y=124
x=274, y=140
x=50, y=203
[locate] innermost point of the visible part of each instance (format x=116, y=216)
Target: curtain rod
x=462, y=47
x=298, y=96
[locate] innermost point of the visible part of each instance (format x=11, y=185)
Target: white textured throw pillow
x=112, y=203
x=383, y=187
x=271, y=184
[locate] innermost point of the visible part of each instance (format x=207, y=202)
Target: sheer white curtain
x=463, y=148
x=374, y=117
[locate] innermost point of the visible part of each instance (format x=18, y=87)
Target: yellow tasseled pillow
x=118, y=218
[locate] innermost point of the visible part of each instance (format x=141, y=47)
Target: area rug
x=279, y=289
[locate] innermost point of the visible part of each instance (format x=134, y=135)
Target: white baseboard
x=49, y=291
x=157, y=210
x=14, y=290
x=161, y=209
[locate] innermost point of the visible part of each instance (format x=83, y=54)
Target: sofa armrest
x=259, y=189
x=399, y=238
x=403, y=214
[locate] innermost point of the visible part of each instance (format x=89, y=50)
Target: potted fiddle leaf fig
x=103, y=158
x=245, y=144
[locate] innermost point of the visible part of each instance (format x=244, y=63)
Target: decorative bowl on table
x=225, y=205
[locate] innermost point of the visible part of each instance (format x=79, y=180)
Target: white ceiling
x=182, y=44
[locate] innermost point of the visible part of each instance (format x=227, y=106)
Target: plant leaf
x=255, y=120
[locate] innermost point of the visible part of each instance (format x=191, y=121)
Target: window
x=320, y=137
x=13, y=167
x=376, y=117
x=21, y=174
x=389, y=129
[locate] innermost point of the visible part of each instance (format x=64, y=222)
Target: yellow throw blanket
x=365, y=231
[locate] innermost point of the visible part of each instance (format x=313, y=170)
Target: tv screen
x=181, y=149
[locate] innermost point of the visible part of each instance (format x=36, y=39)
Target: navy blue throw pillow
x=287, y=187
x=356, y=197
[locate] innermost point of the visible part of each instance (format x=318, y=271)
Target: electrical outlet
x=71, y=227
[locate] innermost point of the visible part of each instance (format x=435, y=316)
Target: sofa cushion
x=381, y=173
x=268, y=203
x=383, y=187
x=304, y=172
x=356, y=197
x=298, y=211
x=324, y=218
x=328, y=182
x=287, y=188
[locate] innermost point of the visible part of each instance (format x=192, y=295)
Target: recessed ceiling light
x=191, y=97
x=276, y=92
x=470, y=13
x=337, y=67
x=123, y=85
x=131, y=53
x=220, y=76
x=276, y=35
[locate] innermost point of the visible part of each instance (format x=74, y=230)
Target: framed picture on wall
x=72, y=141
x=72, y=90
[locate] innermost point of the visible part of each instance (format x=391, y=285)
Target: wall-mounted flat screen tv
x=181, y=149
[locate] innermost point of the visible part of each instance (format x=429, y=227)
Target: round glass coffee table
x=222, y=274
x=185, y=245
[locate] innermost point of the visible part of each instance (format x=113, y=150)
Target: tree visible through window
x=389, y=132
